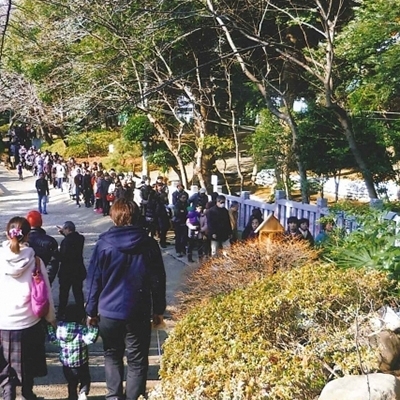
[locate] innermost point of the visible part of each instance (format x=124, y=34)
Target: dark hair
x=293, y=220
x=256, y=212
x=304, y=221
x=214, y=196
x=220, y=198
x=69, y=225
x=18, y=229
x=74, y=313
x=124, y=212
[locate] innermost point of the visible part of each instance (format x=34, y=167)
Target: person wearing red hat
x=45, y=246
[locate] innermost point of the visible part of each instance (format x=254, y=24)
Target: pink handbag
x=39, y=293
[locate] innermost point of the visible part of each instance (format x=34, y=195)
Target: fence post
x=279, y=195
x=322, y=205
x=244, y=195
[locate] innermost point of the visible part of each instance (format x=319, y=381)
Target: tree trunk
x=348, y=132
x=181, y=170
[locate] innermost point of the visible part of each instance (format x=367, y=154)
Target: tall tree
x=301, y=35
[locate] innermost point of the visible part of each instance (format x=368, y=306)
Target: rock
x=387, y=344
x=362, y=387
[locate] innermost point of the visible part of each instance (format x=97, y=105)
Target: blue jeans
x=134, y=337
x=59, y=183
x=42, y=203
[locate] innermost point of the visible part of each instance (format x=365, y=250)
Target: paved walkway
x=19, y=197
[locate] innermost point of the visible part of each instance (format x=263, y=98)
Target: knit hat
x=35, y=219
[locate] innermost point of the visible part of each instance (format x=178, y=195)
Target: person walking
x=42, y=188
x=61, y=174
x=78, y=183
x=125, y=290
x=45, y=246
x=72, y=271
x=22, y=337
x=180, y=228
x=219, y=226
x=73, y=337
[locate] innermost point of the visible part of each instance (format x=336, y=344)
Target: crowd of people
x=126, y=293
x=199, y=222
x=125, y=279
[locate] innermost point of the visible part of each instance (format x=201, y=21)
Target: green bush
x=124, y=155
x=4, y=130
x=373, y=245
x=279, y=338
x=82, y=145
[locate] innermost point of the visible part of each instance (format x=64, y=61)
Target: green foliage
x=269, y=145
x=81, y=145
x=369, y=44
x=274, y=338
x=372, y=245
x=323, y=147
x=124, y=155
x=216, y=145
x=138, y=129
x=161, y=157
x=4, y=129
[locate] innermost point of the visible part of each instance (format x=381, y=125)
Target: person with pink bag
x=22, y=334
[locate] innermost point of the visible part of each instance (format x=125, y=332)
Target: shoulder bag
x=39, y=293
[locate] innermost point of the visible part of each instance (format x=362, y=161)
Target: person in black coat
x=72, y=271
x=219, y=226
x=304, y=224
x=104, y=185
x=87, y=188
x=179, y=221
x=45, y=246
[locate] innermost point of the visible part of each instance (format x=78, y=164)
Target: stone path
x=19, y=197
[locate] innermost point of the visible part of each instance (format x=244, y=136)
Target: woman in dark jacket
x=126, y=289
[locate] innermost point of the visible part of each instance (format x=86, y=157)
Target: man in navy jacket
x=126, y=289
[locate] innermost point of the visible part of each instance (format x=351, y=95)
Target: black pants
x=134, y=337
x=195, y=243
x=180, y=238
x=77, y=376
x=65, y=286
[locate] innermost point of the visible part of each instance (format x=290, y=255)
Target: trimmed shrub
x=245, y=263
x=282, y=337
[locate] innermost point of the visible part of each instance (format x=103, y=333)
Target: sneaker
x=82, y=396
x=163, y=245
x=44, y=212
x=179, y=255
